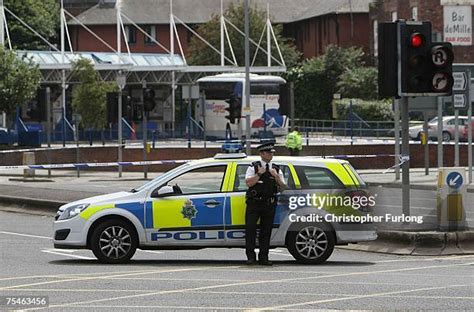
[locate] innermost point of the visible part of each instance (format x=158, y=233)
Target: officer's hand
x=274, y=173
x=261, y=170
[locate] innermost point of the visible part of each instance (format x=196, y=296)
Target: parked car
x=448, y=128
x=415, y=131
x=202, y=204
x=465, y=130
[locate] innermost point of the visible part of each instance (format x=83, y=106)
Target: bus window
x=264, y=88
x=221, y=90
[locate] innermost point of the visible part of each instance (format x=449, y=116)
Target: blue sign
x=454, y=180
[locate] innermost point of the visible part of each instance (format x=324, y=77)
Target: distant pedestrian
x=294, y=142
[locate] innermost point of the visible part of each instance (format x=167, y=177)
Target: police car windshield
x=161, y=176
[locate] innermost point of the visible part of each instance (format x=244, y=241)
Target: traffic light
x=112, y=107
x=36, y=110
x=424, y=68
x=234, y=108
x=137, y=112
x=149, y=100
x=442, y=58
x=387, y=60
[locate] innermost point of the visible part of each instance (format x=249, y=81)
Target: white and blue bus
x=267, y=104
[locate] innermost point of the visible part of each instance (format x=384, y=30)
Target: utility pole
x=248, y=148
x=2, y=24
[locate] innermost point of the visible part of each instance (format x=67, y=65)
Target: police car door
x=235, y=225
x=188, y=209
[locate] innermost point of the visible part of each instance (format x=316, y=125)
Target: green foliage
x=19, y=80
x=367, y=110
x=42, y=16
x=339, y=70
x=201, y=54
x=90, y=95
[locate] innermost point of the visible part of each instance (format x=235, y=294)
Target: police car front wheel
x=114, y=241
x=311, y=244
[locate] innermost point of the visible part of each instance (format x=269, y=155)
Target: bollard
x=28, y=159
x=451, y=199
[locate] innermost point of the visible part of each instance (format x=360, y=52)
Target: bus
x=268, y=105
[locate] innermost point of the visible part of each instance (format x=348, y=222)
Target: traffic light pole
x=119, y=129
x=396, y=103
x=456, y=137
x=406, y=154
x=248, y=148
x=440, y=132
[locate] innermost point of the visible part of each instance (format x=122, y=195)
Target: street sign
x=460, y=81
x=460, y=101
x=454, y=180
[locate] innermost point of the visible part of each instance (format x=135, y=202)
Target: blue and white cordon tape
x=92, y=165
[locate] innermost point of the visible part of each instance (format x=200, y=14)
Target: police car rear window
x=317, y=178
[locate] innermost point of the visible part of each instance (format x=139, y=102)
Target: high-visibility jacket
x=294, y=141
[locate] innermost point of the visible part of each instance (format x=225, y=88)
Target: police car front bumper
x=70, y=233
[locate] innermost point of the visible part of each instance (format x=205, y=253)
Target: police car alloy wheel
x=114, y=241
x=311, y=244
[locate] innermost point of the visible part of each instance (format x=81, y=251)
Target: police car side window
x=201, y=180
x=240, y=185
x=317, y=178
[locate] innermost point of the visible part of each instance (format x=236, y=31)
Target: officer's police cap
x=266, y=147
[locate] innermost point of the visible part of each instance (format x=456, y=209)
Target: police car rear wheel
x=312, y=244
x=114, y=241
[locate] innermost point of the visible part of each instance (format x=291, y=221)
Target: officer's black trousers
x=266, y=213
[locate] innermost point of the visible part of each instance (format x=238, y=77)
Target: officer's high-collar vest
x=266, y=187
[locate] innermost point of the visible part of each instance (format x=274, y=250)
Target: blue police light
x=232, y=147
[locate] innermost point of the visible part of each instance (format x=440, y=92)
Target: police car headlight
x=72, y=211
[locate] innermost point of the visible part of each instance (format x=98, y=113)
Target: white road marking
x=108, y=276
x=264, y=282
x=429, y=259
x=25, y=235
x=356, y=297
x=151, y=251
x=66, y=254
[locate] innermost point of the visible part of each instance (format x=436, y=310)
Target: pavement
x=215, y=279
x=46, y=193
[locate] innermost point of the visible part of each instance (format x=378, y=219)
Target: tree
x=201, y=54
x=339, y=70
x=19, y=80
x=90, y=95
x=42, y=16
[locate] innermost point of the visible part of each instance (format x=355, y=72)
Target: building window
x=375, y=28
x=131, y=34
x=151, y=31
x=394, y=16
x=414, y=13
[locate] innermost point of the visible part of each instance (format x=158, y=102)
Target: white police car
x=202, y=204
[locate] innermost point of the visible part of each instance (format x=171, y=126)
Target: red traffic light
x=417, y=40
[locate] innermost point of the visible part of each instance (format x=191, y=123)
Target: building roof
x=201, y=11
x=52, y=60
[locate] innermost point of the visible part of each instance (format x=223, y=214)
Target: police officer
x=265, y=180
x=294, y=142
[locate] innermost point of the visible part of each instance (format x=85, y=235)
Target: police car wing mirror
x=164, y=191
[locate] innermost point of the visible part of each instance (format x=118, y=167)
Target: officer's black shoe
x=265, y=262
x=251, y=262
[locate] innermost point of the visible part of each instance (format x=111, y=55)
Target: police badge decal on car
x=189, y=211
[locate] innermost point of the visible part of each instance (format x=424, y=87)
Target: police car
x=201, y=204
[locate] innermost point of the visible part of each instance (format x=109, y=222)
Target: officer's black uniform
x=261, y=202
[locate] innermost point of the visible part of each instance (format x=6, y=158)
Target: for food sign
x=458, y=24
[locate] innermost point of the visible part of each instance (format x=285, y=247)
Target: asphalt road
x=218, y=279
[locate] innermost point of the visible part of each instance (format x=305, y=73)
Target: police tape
x=361, y=156
x=94, y=165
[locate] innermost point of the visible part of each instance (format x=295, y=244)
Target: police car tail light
x=360, y=200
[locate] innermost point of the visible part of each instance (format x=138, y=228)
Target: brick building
x=313, y=24
x=419, y=10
